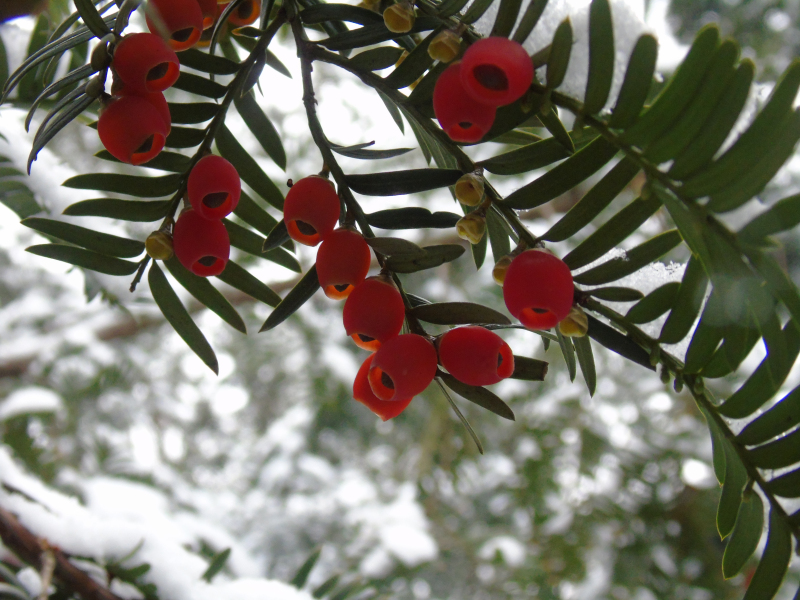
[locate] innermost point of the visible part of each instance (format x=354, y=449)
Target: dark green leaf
x=655, y=304
x=216, y=565
x=479, y=251
x=619, y=343
x=568, y=352
x=191, y=113
x=458, y=313
x=363, y=153
x=207, y=294
x=731, y=497
x=414, y=65
x=394, y=112
x=433, y=257
x=617, y=228
x=16, y=196
x=506, y=17
x=248, y=169
x=165, y=161
x=169, y=303
x=43, y=136
x=565, y=176
x=615, y=294
x=687, y=303
x=85, y=258
x=326, y=587
x=784, y=415
x=412, y=218
x=498, y=234
x=261, y=127
x=389, y=246
x=301, y=577
x=635, y=259
x=208, y=63
x=103, y=243
x=255, y=216
x=298, y=296
x=125, y=210
x=637, y=82
x=718, y=444
x=460, y=416
x=448, y=8
x=320, y=13
x=528, y=158
x=781, y=216
x=133, y=185
x=374, y=34
x=394, y=183
x=529, y=19
x=745, y=536
x=189, y=82
x=69, y=79
x=774, y=562
x=92, y=18
x=601, y=56
x=476, y=9
x=241, y=279
x=478, y=395
x=278, y=236
x=529, y=369
x=185, y=137
x=583, y=350
x=560, y=52
x=376, y=59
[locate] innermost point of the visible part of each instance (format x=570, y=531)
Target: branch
x=32, y=549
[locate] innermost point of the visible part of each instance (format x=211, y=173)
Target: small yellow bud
x=159, y=245
x=501, y=268
x=445, y=46
x=576, y=324
x=471, y=227
x=469, y=189
x=399, y=18
x=373, y=5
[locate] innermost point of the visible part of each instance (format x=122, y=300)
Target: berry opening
x=148, y=150
x=366, y=342
x=216, y=199
x=338, y=292
x=182, y=35
x=378, y=380
x=207, y=261
x=491, y=77
x=245, y=9
x=538, y=318
x=305, y=228
x=146, y=146
x=387, y=381
x=158, y=72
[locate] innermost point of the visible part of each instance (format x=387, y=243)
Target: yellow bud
x=500, y=269
x=399, y=18
x=469, y=189
x=373, y=5
x=445, y=46
x=159, y=245
x=576, y=324
x=471, y=227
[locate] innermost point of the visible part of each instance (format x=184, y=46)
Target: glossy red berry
x=403, y=367
x=311, y=210
x=202, y=246
x=132, y=129
x=461, y=117
x=342, y=263
x=373, y=313
x=145, y=63
x=363, y=393
x=245, y=14
x=475, y=355
x=214, y=187
x=158, y=101
x=209, y=10
x=180, y=22
x=538, y=289
x=496, y=71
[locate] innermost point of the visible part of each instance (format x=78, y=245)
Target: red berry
x=496, y=71
x=245, y=14
x=311, y=210
x=475, y=355
x=145, y=63
x=158, y=101
x=132, y=129
x=363, y=393
x=214, y=187
x=342, y=263
x=403, y=367
x=180, y=20
x=462, y=118
x=202, y=246
x=209, y=10
x=538, y=289
x=373, y=313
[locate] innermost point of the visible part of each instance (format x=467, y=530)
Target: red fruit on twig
x=403, y=367
x=363, y=393
x=538, y=289
x=462, y=118
x=496, y=71
x=132, y=129
x=342, y=263
x=245, y=14
x=179, y=22
x=311, y=210
x=475, y=355
x=202, y=246
x=145, y=63
x=373, y=313
x=214, y=187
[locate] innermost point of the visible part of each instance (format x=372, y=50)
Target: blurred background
x=603, y=497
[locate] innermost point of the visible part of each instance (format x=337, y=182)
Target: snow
x=28, y=401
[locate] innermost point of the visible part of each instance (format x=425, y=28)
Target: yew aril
x=202, y=246
x=245, y=14
x=342, y=263
x=145, y=63
x=476, y=356
x=214, y=187
x=461, y=117
x=373, y=313
x=132, y=129
x=538, y=289
x=180, y=22
x=156, y=99
x=496, y=71
x=402, y=367
x=209, y=10
x=363, y=393
x=311, y=210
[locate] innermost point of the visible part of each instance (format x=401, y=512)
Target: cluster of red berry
x=135, y=122
x=493, y=72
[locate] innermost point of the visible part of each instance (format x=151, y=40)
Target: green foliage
x=731, y=281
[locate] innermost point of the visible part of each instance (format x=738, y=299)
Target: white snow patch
x=28, y=401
